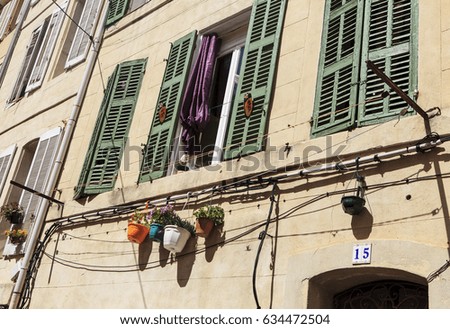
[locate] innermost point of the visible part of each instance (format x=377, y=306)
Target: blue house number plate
x=362, y=253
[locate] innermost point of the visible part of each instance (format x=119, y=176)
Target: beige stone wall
x=35, y=114
x=93, y=265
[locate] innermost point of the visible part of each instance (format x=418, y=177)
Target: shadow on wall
x=362, y=225
x=185, y=262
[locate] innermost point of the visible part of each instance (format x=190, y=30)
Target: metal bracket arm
x=402, y=94
x=37, y=193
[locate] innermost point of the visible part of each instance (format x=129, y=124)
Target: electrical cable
x=26, y=293
x=261, y=243
x=91, y=38
x=114, y=212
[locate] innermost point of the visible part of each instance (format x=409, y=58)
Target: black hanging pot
x=16, y=218
x=353, y=204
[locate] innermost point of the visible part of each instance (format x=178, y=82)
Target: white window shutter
x=6, y=18
x=46, y=49
x=6, y=158
x=81, y=41
x=37, y=179
x=28, y=61
x=39, y=172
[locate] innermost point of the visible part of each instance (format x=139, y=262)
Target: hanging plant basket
x=12, y=212
x=175, y=238
x=137, y=232
x=16, y=236
x=157, y=232
x=16, y=218
x=203, y=226
x=352, y=205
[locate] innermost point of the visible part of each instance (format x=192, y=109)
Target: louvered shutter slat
x=28, y=62
x=158, y=147
x=47, y=47
x=337, y=91
x=79, y=189
x=388, y=44
x=39, y=172
x=116, y=10
x=6, y=18
x=102, y=165
x=246, y=135
x=81, y=41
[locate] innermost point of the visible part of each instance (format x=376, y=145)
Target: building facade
x=286, y=113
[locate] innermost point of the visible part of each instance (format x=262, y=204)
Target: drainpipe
x=18, y=29
x=62, y=152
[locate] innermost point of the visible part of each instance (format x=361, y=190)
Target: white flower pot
x=175, y=238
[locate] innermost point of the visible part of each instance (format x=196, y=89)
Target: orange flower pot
x=203, y=227
x=137, y=232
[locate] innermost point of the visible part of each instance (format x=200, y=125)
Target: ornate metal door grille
x=383, y=295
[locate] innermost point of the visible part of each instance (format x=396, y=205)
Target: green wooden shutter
x=158, y=147
x=102, y=162
x=389, y=42
x=116, y=10
x=79, y=189
x=246, y=135
x=337, y=82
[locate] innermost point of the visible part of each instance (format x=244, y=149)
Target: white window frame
x=81, y=42
x=225, y=113
x=47, y=46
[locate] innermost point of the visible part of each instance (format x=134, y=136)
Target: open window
x=243, y=74
x=210, y=141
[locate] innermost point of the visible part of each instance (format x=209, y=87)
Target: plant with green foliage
x=164, y=216
x=10, y=210
x=214, y=213
x=187, y=225
x=139, y=218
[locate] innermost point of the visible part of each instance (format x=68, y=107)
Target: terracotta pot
x=175, y=238
x=137, y=232
x=203, y=227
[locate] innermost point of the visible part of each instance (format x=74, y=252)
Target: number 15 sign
x=362, y=253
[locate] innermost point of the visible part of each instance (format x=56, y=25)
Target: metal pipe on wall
x=62, y=152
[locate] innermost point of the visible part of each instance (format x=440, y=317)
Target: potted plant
x=158, y=219
x=138, y=227
x=12, y=212
x=16, y=236
x=208, y=217
x=177, y=234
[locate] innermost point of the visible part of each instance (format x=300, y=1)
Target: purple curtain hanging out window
x=194, y=113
